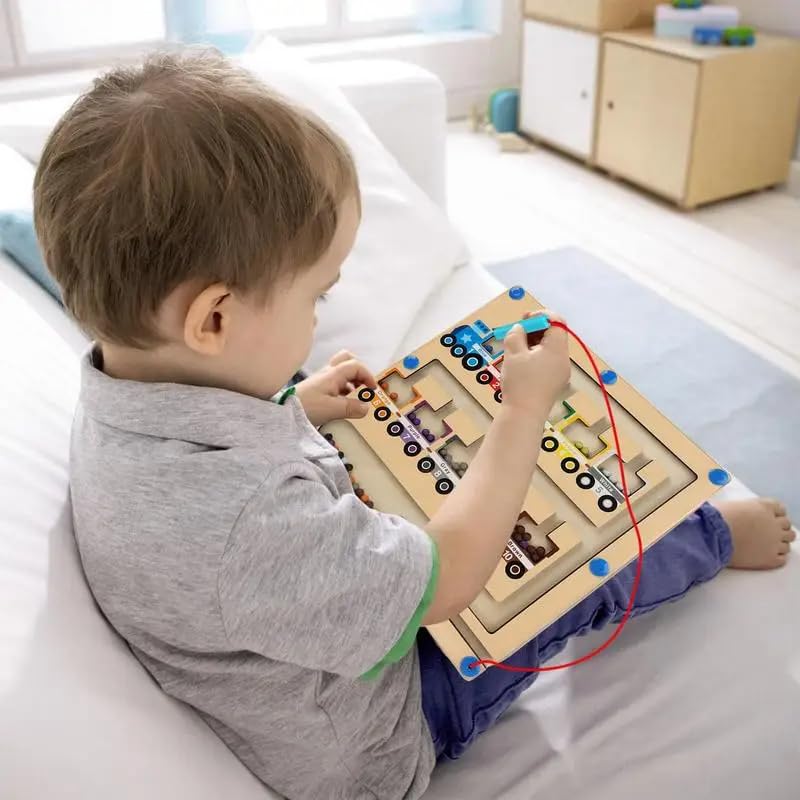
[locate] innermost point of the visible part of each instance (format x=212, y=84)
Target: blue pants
x=459, y=711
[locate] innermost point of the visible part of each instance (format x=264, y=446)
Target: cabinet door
x=646, y=119
x=559, y=81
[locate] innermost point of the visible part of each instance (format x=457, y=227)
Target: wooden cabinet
x=696, y=124
x=559, y=86
x=594, y=15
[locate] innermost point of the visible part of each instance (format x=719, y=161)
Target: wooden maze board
x=430, y=414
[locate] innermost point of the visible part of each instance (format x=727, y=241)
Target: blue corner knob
x=599, y=567
x=719, y=477
x=468, y=667
x=609, y=377
x=410, y=362
x=516, y=293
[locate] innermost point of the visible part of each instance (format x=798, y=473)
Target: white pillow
x=406, y=246
x=16, y=180
x=26, y=124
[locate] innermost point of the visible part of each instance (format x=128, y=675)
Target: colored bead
x=579, y=445
x=410, y=362
x=430, y=437
x=516, y=293
x=359, y=491
x=488, y=348
x=540, y=551
x=370, y=504
x=526, y=536
x=341, y=454
x=365, y=497
x=519, y=529
x=348, y=467
x=329, y=437
x=463, y=465
x=393, y=396
x=385, y=386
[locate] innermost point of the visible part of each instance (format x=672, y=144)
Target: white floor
x=736, y=264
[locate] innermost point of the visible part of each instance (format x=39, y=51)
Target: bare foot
x=761, y=532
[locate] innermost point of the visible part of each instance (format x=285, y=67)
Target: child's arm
x=473, y=525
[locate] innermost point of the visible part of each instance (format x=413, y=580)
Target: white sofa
x=699, y=700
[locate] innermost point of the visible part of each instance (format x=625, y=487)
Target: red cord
x=626, y=616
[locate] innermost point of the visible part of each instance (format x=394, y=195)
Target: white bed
x=698, y=700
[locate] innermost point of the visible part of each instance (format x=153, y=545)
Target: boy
x=193, y=220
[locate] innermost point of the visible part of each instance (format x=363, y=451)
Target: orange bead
x=385, y=387
x=365, y=498
x=393, y=395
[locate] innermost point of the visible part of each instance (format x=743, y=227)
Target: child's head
x=193, y=219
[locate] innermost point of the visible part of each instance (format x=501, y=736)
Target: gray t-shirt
x=220, y=536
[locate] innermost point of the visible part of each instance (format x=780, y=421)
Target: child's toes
x=777, y=508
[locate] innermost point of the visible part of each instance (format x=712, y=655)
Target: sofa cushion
x=18, y=239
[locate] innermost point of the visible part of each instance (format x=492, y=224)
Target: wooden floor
x=736, y=264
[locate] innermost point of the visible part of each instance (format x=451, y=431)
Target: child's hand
x=535, y=377
x=324, y=394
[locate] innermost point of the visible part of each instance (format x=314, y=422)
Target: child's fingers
x=355, y=373
x=516, y=340
x=355, y=409
x=554, y=336
x=340, y=357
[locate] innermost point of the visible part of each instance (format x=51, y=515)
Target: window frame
x=15, y=60
x=54, y=59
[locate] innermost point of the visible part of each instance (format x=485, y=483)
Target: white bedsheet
x=700, y=699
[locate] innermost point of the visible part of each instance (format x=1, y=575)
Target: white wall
x=778, y=16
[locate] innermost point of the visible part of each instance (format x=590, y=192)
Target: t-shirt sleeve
x=322, y=581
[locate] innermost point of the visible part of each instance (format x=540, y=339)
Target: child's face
x=267, y=344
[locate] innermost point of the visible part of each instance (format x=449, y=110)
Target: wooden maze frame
x=426, y=477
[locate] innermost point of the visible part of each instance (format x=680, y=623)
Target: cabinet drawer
x=646, y=119
x=559, y=83
x=594, y=15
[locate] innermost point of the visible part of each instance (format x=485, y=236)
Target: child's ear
x=205, y=328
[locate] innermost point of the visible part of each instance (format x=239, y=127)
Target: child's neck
x=166, y=364
x=155, y=365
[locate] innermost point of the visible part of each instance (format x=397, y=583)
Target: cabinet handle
x=610, y=105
